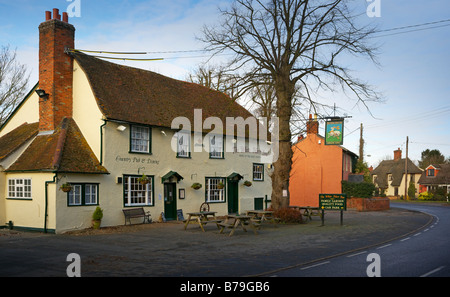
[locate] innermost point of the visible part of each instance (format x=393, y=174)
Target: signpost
x=332, y=202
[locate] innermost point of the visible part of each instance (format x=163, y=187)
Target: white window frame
x=92, y=193
x=212, y=193
x=184, y=144
x=19, y=188
x=216, y=147
x=136, y=194
x=83, y=194
x=140, y=139
x=258, y=175
x=74, y=197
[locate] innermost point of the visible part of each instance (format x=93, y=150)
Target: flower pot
x=96, y=224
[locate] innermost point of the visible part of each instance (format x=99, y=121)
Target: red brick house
x=435, y=176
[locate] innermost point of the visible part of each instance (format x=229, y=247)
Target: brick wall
x=368, y=204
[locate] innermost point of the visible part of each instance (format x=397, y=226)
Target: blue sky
x=414, y=74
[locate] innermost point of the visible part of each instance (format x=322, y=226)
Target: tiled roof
x=65, y=150
x=10, y=142
x=441, y=178
x=140, y=96
x=396, y=168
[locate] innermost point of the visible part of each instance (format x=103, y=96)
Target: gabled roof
x=10, y=142
x=140, y=96
x=396, y=168
x=345, y=150
x=442, y=177
x=65, y=150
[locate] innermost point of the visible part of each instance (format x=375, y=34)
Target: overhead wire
x=204, y=50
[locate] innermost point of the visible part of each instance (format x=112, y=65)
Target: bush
x=288, y=215
x=98, y=214
x=359, y=190
x=440, y=194
x=426, y=196
x=412, y=191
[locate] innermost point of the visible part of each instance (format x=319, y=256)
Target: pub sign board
x=333, y=201
x=334, y=132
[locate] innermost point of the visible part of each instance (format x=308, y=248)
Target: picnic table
x=259, y=216
x=308, y=211
x=239, y=220
x=201, y=217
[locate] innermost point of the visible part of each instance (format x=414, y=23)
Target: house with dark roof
x=389, y=175
x=317, y=168
x=99, y=127
x=435, y=176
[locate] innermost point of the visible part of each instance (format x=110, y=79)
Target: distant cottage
x=389, y=175
x=99, y=127
x=435, y=176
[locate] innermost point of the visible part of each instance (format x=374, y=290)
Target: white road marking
x=383, y=246
x=432, y=271
x=315, y=265
x=349, y=256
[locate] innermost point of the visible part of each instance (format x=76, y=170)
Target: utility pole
x=406, y=170
x=361, y=144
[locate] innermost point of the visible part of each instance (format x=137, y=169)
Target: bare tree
x=13, y=82
x=215, y=78
x=296, y=44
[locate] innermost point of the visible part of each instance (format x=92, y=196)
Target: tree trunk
x=282, y=167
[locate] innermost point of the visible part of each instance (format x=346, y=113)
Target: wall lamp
x=42, y=94
x=121, y=128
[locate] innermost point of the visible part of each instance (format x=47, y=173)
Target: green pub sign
x=333, y=201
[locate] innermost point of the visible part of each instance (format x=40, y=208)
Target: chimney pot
x=48, y=15
x=56, y=14
x=65, y=17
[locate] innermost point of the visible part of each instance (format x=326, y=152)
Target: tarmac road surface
x=166, y=249
x=424, y=253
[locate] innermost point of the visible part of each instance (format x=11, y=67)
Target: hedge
x=361, y=190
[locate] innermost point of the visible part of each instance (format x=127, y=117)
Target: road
x=425, y=253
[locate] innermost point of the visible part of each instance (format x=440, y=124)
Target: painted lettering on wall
x=136, y=160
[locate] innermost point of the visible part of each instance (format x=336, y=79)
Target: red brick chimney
x=55, y=69
x=312, y=126
x=397, y=154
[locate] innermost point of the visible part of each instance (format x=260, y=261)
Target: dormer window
x=430, y=172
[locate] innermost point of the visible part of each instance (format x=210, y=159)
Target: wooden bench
x=204, y=222
x=131, y=213
x=225, y=225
